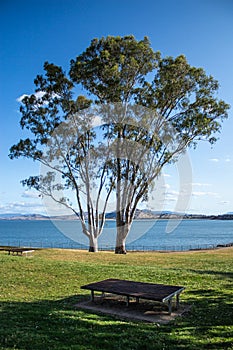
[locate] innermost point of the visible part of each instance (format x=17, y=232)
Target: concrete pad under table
x=139, y=290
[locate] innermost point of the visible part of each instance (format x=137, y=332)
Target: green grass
x=37, y=297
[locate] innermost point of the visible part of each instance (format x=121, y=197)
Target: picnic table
x=18, y=250
x=139, y=290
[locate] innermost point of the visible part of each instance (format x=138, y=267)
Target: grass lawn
x=37, y=296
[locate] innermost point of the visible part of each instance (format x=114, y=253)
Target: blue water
x=144, y=235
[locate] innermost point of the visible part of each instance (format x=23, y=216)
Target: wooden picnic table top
x=150, y=291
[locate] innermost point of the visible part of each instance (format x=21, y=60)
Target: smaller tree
x=63, y=140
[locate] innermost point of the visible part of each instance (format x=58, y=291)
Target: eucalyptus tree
x=62, y=138
x=151, y=108
x=182, y=100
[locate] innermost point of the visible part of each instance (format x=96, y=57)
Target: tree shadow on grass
x=210, y=321
x=213, y=308
x=58, y=325
x=55, y=325
x=219, y=274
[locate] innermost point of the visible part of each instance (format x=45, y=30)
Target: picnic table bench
x=17, y=251
x=139, y=290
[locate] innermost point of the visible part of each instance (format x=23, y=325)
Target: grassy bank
x=37, y=295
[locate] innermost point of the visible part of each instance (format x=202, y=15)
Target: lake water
x=144, y=234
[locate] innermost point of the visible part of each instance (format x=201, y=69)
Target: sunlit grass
x=38, y=294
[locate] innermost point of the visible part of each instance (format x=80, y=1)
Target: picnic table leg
x=177, y=301
x=92, y=295
x=169, y=306
x=127, y=302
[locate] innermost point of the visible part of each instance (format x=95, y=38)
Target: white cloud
x=21, y=207
x=20, y=98
x=97, y=121
x=171, y=196
x=223, y=202
x=24, y=204
x=170, y=199
x=203, y=193
x=38, y=95
x=30, y=194
x=198, y=184
x=226, y=159
x=198, y=193
x=172, y=193
x=215, y=160
x=166, y=186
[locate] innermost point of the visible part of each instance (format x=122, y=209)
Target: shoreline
x=142, y=216
x=217, y=247
x=111, y=220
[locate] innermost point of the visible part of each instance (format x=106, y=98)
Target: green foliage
x=112, y=67
x=38, y=294
x=185, y=97
x=115, y=69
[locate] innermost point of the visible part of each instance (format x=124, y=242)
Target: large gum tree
x=160, y=99
x=182, y=100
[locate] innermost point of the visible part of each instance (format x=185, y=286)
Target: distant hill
x=9, y=215
x=23, y=217
x=140, y=214
x=36, y=217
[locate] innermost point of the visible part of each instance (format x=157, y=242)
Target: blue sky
x=32, y=32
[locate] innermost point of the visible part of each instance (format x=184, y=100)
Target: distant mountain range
x=36, y=217
x=140, y=214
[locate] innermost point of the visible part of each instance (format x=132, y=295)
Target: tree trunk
x=93, y=244
x=122, y=232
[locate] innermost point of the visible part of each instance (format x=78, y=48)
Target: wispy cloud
x=97, y=121
x=199, y=184
x=166, y=175
x=170, y=199
x=166, y=186
x=203, y=193
x=21, y=207
x=226, y=159
x=214, y=160
x=38, y=95
x=171, y=196
x=223, y=202
x=20, y=98
x=30, y=194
